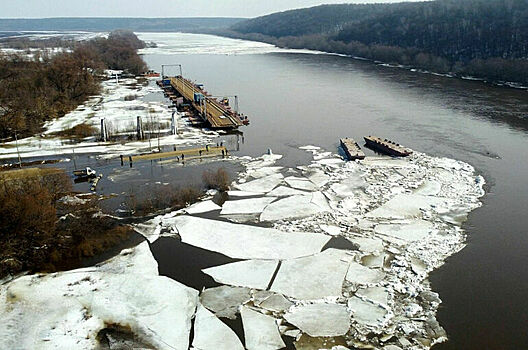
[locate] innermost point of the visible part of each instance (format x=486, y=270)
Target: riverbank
x=294, y=43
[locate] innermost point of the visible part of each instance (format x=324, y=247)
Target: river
x=295, y=98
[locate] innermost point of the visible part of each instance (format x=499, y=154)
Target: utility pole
x=159, y=149
x=150, y=127
x=73, y=157
x=18, y=151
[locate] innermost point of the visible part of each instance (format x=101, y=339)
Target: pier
x=352, y=149
x=181, y=155
x=218, y=115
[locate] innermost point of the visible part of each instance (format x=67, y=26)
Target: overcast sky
x=154, y=8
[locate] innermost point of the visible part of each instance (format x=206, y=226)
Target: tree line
x=487, y=39
x=40, y=86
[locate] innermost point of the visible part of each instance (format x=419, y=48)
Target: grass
x=80, y=131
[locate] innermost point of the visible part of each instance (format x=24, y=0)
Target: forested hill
x=484, y=38
x=94, y=24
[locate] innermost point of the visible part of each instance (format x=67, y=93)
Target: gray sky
x=155, y=8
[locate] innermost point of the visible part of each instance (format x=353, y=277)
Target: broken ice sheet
x=250, y=273
x=246, y=206
x=349, y=186
x=264, y=171
x=360, y=274
x=408, y=232
x=331, y=230
x=404, y=206
x=225, y=301
x=297, y=206
x=236, y=193
x=212, y=334
x=429, y=188
x=263, y=184
x=368, y=245
x=318, y=177
x=247, y=242
x=376, y=295
x=320, y=320
x=275, y=303
x=260, y=331
x=202, y=207
x=312, y=277
x=283, y=191
x=366, y=313
x=66, y=310
x=152, y=229
x=300, y=183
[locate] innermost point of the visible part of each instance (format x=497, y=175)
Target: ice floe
x=376, y=295
x=300, y=183
x=366, y=313
x=249, y=273
x=246, y=206
x=313, y=277
x=260, y=331
x=235, y=193
x=320, y=320
x=297, y=206
x=247, y=242
x=407, y=232
x=212, y=334
x=275, y=303
x=283, y=191
x=360, y=274
x=202, y=207
x=225, y=301
x=263, y=184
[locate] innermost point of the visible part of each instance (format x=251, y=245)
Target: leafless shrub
x=218, y=179
x=165, y=197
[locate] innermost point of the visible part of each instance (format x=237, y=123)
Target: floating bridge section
x=218, y=115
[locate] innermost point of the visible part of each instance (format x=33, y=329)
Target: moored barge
x=386, y=146
x=352, y=149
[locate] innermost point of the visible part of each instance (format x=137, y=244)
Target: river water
x=295, y=98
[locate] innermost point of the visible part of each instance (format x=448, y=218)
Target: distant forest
x=486, y=39
x=94, y=24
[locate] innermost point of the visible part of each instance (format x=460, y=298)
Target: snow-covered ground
x=401, y=218
x=119, y=105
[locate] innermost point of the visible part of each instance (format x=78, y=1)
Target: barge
x=352, y=149
x=386, y=146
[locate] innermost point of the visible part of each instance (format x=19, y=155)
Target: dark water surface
x=299, y=99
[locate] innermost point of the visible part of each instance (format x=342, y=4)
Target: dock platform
x=386, y=146
x=192, y=153
x=352, y=149
x=216, y=114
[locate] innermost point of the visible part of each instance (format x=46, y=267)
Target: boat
x=386, y=146
x=352, y=149
x=84, y=173
x=151, y=74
